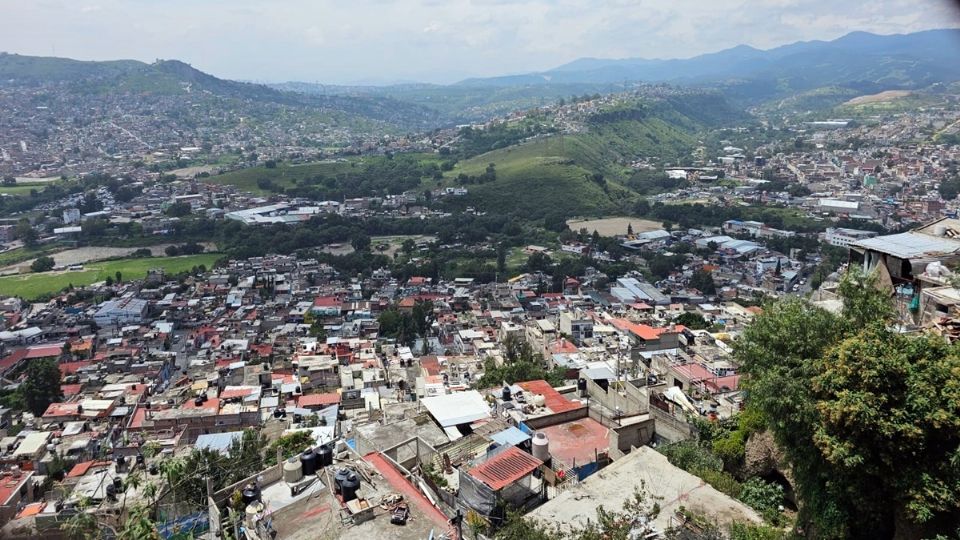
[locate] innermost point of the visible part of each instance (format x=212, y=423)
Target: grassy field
x=22, y=188
x=32, y=286
x=286, y=174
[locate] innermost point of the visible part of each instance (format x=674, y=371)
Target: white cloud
x=337, y=41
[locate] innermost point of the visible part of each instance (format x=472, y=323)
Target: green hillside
x=542, y=178
x=585, y=173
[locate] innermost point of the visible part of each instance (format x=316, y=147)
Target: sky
x=438, y=41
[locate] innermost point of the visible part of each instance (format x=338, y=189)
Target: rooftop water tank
x=349, y=487
x=324, y=456
x=309, y=461
x=541, y=446
x=505, y=394
x=250, y=494
x=292, y=471
x=339, y=478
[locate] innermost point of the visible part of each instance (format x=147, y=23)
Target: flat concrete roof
x=648, y=470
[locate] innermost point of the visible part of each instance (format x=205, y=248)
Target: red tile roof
x=10, y=485
x=11, y=360
x=552, y=399
x=70, y=368
x=505, y=468
x=71, y=389
x=45, y=351
x=326, y=301
x=313, y=400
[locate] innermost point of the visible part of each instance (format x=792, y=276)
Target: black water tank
x=324, y=456
x=349, y=487
x=118, y=484
x=339, y=479
x=140, y=459
x=309, y=461
x=581, y=384
x=198, y=401
x=505, y=394
x=250, y=494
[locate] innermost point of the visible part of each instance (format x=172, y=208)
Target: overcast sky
x=377, y=41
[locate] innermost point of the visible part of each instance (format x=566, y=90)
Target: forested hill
x=172, y=77
x=539, y=172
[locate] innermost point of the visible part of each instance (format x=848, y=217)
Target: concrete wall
x=631, y=400
x=669, y=427
x=637, y=433
x=558, y=418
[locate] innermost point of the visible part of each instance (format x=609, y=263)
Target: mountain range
x=866, y=61
x=857, y=63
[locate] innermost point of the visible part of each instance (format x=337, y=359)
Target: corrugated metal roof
x=910, y=245
x=506, y=468
x=218, y=442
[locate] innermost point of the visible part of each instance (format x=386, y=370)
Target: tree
x=360, y=242
x=539, y=262
x=178, y=209
x=118, y=276
x=703, y=282
x=41, y=387
x=691, y=320
x=889, y=407
x=26, y=233
x=868, y=418
x=42, y=264
x=629, y=229
x=408, y=246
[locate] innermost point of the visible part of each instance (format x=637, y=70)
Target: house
x=901, y=258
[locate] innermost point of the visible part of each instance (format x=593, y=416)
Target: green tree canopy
x=41, y=387
x=43, y=263
x=869, y=419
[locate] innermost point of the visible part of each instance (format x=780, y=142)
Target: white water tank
x=538, y=400
x=541, y=446
x=292, y=470
x=940, y=230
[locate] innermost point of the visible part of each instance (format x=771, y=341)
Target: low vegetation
x=37, y=285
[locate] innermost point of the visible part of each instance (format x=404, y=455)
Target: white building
x=121, y=311
x=844, y=237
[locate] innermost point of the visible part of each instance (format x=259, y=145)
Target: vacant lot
x=95, y=253
x=31, y=286
x=889, y=95
x=614, y=226
x=381, y=245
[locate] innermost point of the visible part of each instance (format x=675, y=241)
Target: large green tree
x=41, y=387
x=868, y=419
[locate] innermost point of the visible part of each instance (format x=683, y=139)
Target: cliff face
x=763, y=458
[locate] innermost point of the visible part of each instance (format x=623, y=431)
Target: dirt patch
x=889, y=95
x=97, y=253
x=614, y=226
x=190, y=172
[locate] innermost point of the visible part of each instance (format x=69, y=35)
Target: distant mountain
x=866, y=61
x=172, y=77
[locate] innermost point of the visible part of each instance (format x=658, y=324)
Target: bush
x=691, y=457
x=721, y=481
x=42, y=264
x=764, y=497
